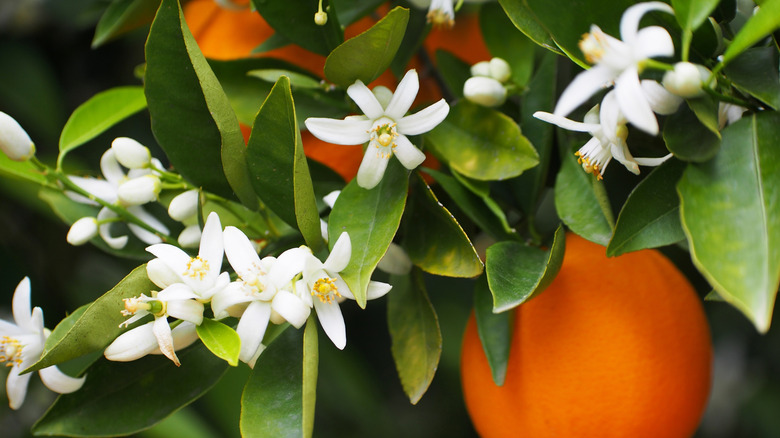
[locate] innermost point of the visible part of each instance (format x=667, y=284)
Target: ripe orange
x=615, y=347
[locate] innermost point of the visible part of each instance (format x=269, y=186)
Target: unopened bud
x=500, y=70
x=82, y=231
x=130, y=153
x=14, y=140
x=138, y=191
x=184, y=206
x=484, y=91
x=190, y=236
x=481, y=68
x=686, y=80
x=320, y=18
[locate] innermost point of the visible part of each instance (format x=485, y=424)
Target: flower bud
x=686, y=80
x=395, y=261
x=320, y=18
x=130, y=153
x=499, y=70
x=481, y=68
x=484, y=91
x=14, y=140
x=184, y=206
x=190, y=236
x=82, y=231
x=138, y=191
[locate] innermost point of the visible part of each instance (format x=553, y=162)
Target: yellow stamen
x=10, y=351
x=325, y=289
x=197, y=268
x=592, y=45
x=439, y=18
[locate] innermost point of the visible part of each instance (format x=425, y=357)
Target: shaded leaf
x=706, y=110
x=729, y=213
x=414, y=332
x=122, y=16
x=759, y=26
x=454, y=72
x=296, y=79
x=690, y=14
x=221, y=340
x=524, y=19
x=482, y=143
x=755, y=73
x=687, y=138
x=494, y=329
x=505, y=41
x=296, y=23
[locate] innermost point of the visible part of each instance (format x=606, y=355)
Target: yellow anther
x=439, y=18
x=10, y=351
x=592, y=45
x=325, y=289
x=197, y=268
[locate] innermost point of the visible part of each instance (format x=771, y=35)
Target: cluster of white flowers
x=619, y=62
x=384, y=126
x=21, y=345
x=272, y=289
x=486, y=84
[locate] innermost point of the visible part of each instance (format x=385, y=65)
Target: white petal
x=339, y=255
x=629, y=22
x=652, y=161
x=407, y=153
x=291, y=308
x=330, y=198
x=372, y=168
x=563, y=122
x=652, y=42
x=132, y=344
x=346, y=132
x=582, y=87
x=60, y=382
x=99, y=188
x=324, y=230
x=251, y=329
x=184, y=206
x=424, y=120
x=162, y=331
x=365, y=100
x=383, y=95
x=232, y=295
x=289, y=264
x=395, y=261
x=660, y=100
x=610, y=117
x=187, y=310
x=16, y=387
x=184, y=335
x=20, y=304
x=632, y=102
x=211, y=247
x=239, y=251
x=377, y=289
x=332, y=322
x=105, y=230
x=110, y=168
x=621, y=153
x=176, y=291
x=160, y=274
x=174, y=257
x=404, y=96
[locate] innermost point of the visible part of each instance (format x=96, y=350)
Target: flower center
x=137, y=304
x=254, y=280
x=197, y=268
x=10, y=351
x=383, y=136
x=440, y=18
x=325, y=289
x=593, y=45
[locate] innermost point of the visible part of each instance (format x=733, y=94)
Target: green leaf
x=296, y=23
x=505, y=41
x=729, y=213
x=755, y=73
x=690, y=14
x=417, y=29
x=581, y=202
x=191, y=117
x=482, y=143
x=20, y=169
x=687, y=138
x=494, y=329
x=221, y=340
x=516, y=272
x=759, y=26
x=706, y=110
x=99, y=113
x=122, y=398
x=371, y=217
x=651, y=215
x=98, y=326
x=433, y=238
x=122, y=16
x=524, y=19
x=367, y=55
x=454, y=72
x=278, y=397
x=277, y=165
x=414, y=333
x=296, y=79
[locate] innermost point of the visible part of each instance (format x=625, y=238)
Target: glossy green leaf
x=296, y=23
x=524, y=19
x=122, y=398
x=505, y=41
x=690, y=14
x=454, y=72
x=706, y=110
x=349, y=11
x=98, y=326
x=729, y=213
x=494, y=329
x=687, y=138
x=371, y=217
x=755, y=73
x=278, y=168
x=516, y=272
x=414, y=333
x=20, y=169
x=482, y=143
x=759, y=26
x=296, y=79
x=650, y=216
x=581, y=202
x=367, y=55
x=473, y=206
x=191, y=117
x=434, y=240
x=278, y=399
x=63, y=327
x=99, y=113
x=221, y=340
x=417, y=30
x=122, y=16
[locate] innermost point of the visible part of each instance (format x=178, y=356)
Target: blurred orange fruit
x=615, y=347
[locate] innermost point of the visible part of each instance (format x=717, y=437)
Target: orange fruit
x=615, y=347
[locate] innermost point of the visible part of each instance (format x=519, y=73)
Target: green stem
x=658, y=65
x=686, y=44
